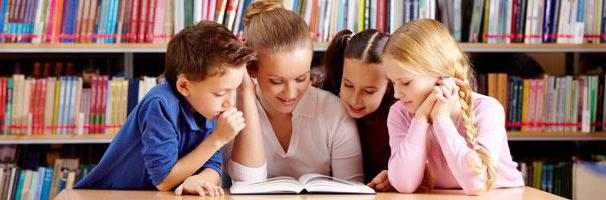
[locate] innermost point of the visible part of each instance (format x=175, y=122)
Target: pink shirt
x=443, y=145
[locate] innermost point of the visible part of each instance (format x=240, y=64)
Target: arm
x=459, y=156
x=247, y=155
x=160, y=145
x=190, y=163
x=407, y=139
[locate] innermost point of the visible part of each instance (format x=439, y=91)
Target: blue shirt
x=161, y=129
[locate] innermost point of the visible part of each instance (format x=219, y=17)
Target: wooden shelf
x=57, y=139
x=107, y=138
x=520, y=47
x=81, y=48
x=556, y=136
x=161, y=48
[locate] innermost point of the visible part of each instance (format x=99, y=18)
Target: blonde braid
x=471, y=134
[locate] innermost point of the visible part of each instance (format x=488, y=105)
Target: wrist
x=216, y=140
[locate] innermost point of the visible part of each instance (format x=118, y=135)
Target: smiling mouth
x=287, y=102
x=356, y=110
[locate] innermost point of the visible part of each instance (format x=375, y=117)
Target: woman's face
x=362, y=87
x=283, y=78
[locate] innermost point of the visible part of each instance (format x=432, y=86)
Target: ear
x=182, y=85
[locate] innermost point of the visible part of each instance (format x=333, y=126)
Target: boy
x=174, y=134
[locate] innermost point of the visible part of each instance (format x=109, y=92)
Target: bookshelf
x=57, y=139
x=107, y=138
x=320, y=47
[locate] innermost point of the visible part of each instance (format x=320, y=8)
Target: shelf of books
x=57, y=139
x=161, y=47
x=156, y=21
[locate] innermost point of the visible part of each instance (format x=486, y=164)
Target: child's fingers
x=217, y=193
x=384, y=185
x=221, y=192
x=200, y=191
x=380, y=177
x=179, y=190
x=371, y=184
x=209, y=189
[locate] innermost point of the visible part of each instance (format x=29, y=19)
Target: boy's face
x=213, y=95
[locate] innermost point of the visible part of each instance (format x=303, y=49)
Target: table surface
x=505, y=194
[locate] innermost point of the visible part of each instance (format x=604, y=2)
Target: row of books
x=555, y=178
x=537, y=21
x=549, y=103
x=156, y=21
x=61, y=105
x=42, y=183
x=111, y=21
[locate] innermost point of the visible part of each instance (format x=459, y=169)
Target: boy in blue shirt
x=174, y=135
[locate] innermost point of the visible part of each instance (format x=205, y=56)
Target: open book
x=308, y=183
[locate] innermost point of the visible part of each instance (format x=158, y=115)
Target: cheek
x=372, y=102
x=344, y=94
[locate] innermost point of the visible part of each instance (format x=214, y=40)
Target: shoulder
x=483, y=103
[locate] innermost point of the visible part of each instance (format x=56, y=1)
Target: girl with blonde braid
x=441, y=133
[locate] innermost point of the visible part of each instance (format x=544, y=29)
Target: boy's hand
x=202, y=184
x=381, y=183
x=229, y=124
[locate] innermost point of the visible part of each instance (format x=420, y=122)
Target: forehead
x=395, y=70
x=360, y=72
x=289, y=64
x=230, y=80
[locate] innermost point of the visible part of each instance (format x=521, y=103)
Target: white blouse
x=324, y=140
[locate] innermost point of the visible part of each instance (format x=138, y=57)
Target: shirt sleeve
x=408, y=142
x=215, y=162
x=490, y=123
x=159, y=138
x=241, y=173
x=346, y=150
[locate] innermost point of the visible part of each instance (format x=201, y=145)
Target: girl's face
x=362, y=87
x=411, y=89
x=283, y=79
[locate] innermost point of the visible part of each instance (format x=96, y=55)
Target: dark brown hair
x=204, y=50
x=366, y=46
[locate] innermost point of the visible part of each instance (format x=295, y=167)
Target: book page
x=276, y=185
x=317, y=183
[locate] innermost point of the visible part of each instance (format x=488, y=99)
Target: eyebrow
x=365, y=87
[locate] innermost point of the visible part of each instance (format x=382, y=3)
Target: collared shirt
x=324, y=140
x=161, y=129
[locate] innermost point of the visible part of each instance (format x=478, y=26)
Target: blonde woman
x=304, y=129
x=441, y=133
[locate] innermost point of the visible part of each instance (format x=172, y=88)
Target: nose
x=356, y=99
x=396, y=93
x=228, y=102
x=291, y=90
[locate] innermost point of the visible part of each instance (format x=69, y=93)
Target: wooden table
x=504, y=194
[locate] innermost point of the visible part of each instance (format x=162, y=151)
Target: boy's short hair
x=204, y=50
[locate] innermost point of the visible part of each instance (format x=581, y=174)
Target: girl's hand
x=448, y=101
x=423, y=112
x=381, y=183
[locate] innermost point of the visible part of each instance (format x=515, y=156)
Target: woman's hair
x=270, y=28
x=425, y=47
